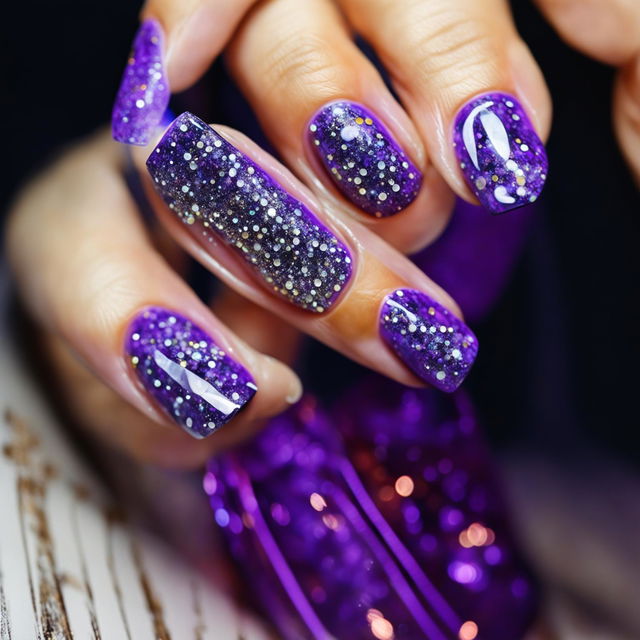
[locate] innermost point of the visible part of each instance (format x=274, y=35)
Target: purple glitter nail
x=143, y=95
x=206, y=180
x=438, y=347
x=190, y=377
x=500, y=154
x=363, y=160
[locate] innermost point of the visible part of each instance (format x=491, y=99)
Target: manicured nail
x=363, y=160
x=209, y=183
x=500, y=154
x=194, y=381
x=429, y=339
x=143, y=95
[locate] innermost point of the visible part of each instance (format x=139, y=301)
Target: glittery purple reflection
x=361, y=552
x=438, y=347
x=213, y=186
x=144, y=93
x=500, y=154
x=194, y=381
x=462, y=539
x=364, y=161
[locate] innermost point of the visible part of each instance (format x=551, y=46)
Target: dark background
x=559, y=354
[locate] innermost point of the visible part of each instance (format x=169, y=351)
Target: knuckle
x=301, y=65
x=450, y=45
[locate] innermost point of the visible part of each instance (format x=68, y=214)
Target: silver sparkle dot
x=187, y=156
x=140, y=104
x=441, y=375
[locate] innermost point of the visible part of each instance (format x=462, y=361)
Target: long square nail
x=210, y=184
x=500, y=153
x=188, y=375
x=144, y=94
x=362, y=158
x=437, y=346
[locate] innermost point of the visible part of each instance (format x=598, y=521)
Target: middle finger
x=329, y=113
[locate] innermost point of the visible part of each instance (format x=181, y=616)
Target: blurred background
x=564, y=325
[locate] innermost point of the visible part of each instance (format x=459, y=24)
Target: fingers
x=174, y=46
x=329, y=113
x=608, y=30
x=472, y=89
x=89, y=273
x=252, y=223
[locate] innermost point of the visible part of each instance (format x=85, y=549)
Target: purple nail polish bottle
x=144, y=93
x=395, y=530
x=186, y=373
x=363, y=160
x=500, y=154
x=219, y=191
x=437, y=346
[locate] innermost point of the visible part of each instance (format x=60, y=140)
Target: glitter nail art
x=432, y=342
x=186, y=372
x=143, y=95
x=220, y=191
x=500, y=154
x=362, y=159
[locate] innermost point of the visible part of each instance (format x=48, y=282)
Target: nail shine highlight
x=144, y=93
x=194, y=381
x=364, y=161
x=500, y=154
x=217, y=189
x=437, y=346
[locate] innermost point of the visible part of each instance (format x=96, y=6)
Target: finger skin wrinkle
x=454, y=52
x=303, y=69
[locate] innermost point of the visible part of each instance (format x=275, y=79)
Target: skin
x=439, y=54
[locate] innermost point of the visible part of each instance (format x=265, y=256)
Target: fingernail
x=207, y=182
x=192, y=379
x=362, y=158
x=143, y=95
x=437, y=346
x=500, y=154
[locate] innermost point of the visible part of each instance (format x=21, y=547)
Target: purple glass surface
x=401, y=534
x=499, y=151
x=144, y=93
x=187, y=374
x=213, y=186
x=361, y=157
x=437, y=346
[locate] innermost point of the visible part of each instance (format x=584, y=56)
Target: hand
x=108, y=292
